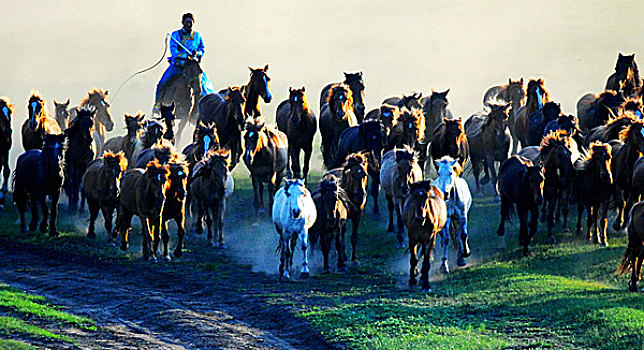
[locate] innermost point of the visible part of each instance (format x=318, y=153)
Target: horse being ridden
x=6, y=111
x=298, y=122
x=293, y=214
x=458, y=201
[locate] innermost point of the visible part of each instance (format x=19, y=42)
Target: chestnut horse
x=356, y=85
x=335, y=116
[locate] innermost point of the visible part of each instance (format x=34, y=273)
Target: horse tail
x=628, y=261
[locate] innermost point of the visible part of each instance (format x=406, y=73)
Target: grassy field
x=564, y=296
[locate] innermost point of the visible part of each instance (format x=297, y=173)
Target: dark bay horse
x=168, y=116
x=609, y=131
x=225, y=111
x=38, y=175
x=425, y=215
x=521, y=184
x=61, y=112
x=97, y=99
x=151, y=135
x=258, y=86
x=634, y=254
x=488, y=138
x=125, y=143
x=174, y=206
x=626, y=77
x=449, y=139
x=592, y=189
x=365, y=138
x=38, y=124
x=101, y=185
x=409, y=130
x=537, y=122
x=333, y=207
x=625, y=153
x=356, y=85
x=265, y=157
x=415, y=100
x=204, y=139
x=595, y=110
x=435, y=111
x=6, y=111
x=163, y=153
x=78, y=153
x=537, y=96
x=386, y=115
x=556, y=152
x=514, y=92
x=211, y=183
x=142, y=194
x=299, y=123
x=335, y=116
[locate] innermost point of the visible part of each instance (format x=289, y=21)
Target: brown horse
x=626, y=77
x=61, y=110
x=488, y=138
x=592, y=189
x=78, y=153
x=97, y=98
x=609, y=131
x=101, y=188
x=625, y=153
x=449, y=139
x=353, y=180
x=38, y=124
x=333, y=207
x=595, y=110
x=151, y=135
x=634, y=254
x=125, y=144
x=386, y=115
x=556, y=152
x=521, y=184
x=161, y=152
x=425, y=214
x=265, y=157
x=409, y=129
x=435, y=111
x=225, y=111
x=356, y=84
x=168, y=116
x=335, y=116
x=143, y=193
x=174, y=206
x=537, y=96
x=211, y=184
x=415, y=100
x=258, y=86
x=399, y=169
x=204, y=139
x=6, y=111
x=297, y=121
x=513, y=92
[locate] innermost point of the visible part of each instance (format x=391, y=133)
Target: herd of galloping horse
x=592, y=160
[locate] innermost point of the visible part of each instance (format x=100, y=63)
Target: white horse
x=458, y=201
x=293, y=215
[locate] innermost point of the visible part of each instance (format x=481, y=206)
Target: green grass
x=15, y=326
x=8, y=344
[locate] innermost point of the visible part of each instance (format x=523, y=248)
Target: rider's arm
x=175, y=50
x=199, y=42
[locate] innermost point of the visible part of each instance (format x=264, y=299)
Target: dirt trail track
x=143, y=306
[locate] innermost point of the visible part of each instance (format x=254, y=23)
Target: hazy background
x=62, y=48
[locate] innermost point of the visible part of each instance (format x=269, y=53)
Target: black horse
x=225, y=112
x=365, y=138
x=538, y=121
x=168, y=116
x=356, y=85
x=6, y=110
x=78, y=153
x=626, y=77
x=39, y=174
x=298, y=122
x=521, y=183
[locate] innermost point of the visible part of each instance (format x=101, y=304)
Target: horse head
x=411, y=101
x=600, y=157
x=340, y=101
x=81, y=127
x=62, y=113
x=134, y=124
x=205, y=136
x=330, y=200
x=153, y=132
x=405, y=164
x=260, y=83
x=114, y=165
x=453, y=134
x=98, y=99
x=633, y=135
x=255, y=138
x=417, y=205
x=296, y=193
x=6, y=110
x=515, y=92
x=178, y=178
x=551, y=111
x=635, y=106
x=215, y=165
x=52, y=153
x=556, y=153
x=411, y=124
x=36, y=109
x=447, y=169
x=438, y=104
x=623, y=65
x=537, y=93
x=236, y=98
x=388, y=114
x=299, y=104
x=371, y=133
x=356, y=84
x=498, y=118
x=168, y=116
x=533, y=180
x=354, y=177
x=156, y=185
x=568, y=123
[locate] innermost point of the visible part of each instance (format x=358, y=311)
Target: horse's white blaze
x=206, y=145
x=292, y=198
x=5, y=111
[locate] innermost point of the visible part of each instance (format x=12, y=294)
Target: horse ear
x=420, y=95
x=303, y=89
x=107, y=92
x=521, y=80
x=446, y=92
x=67, y=103
x=173, y=105
x=509, y=80
x=451, y=164
x=620, y=55
x=266, y=68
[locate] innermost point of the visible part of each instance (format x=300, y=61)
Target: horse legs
x=464, y=245
x=44, y=226
x=53, y=218
x=486, y=177
x=181, y=234
x=375, y=189
x=505, y=213
x=400, y=225
x=257, y=193
x=551, y=218
x=390, y=207
x=564, y=202
x=123, y=221
x=445, y=239
x=22, y=201
x=339, y=245
x=201, y=212
x=93, y=214
x=427, y=251
x=296, y=171
x=476, y=170
x=523, y=229
x=580, y=212
x=183, y=122
x=6, y=172
x=603, y=221
x=292, y=251
x=591, y=214
x=621, y=205
x=209, y=218
x=413, y=262
x=354, y=238
x=308, y=150
x=636, y=273
x=165, y=238
x=108, y=213
x=325, y=245
x=534, y=223
x=304, y=241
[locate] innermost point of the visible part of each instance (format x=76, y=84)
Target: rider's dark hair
x=187, y=15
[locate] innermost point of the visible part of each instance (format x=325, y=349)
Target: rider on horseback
x=186, y=46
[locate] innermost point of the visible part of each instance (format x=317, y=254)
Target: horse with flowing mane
x=335, y=116
x=356, y=85
x=595, y=110
x=626, y=78
x=96, y=98
x=537, y=96
x=125, y=143
x=38, y=124
x=6, y=111
x=78, y=153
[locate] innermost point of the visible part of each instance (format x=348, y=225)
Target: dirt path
x=173, y=306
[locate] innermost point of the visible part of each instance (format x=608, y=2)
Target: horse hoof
x=427, y=290
x=222, y=246
x=153, y=260
x=552, y=240
x=500, y=233
x=91, y=235
x=400, y=245
x=125, y=246
x=327, y=271
x=167, y=258
x=304, y=275
x=177, y=254
x=461, y=261
x=54, y=234
x=444, y=269
x=604, y=243
x=632, y=287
